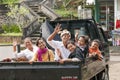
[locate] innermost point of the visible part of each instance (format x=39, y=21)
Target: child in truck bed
x=76, y=53
x=83, y=45
x=94, y=51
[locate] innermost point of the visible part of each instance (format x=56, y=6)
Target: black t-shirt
x=85, y=51
x=77, y=53
x=72, y=55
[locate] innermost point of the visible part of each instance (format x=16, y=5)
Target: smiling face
x=71, y=47
x=28, y=43
x=41, y=44
x=65, y=37
x=81, y=41
x=94, y=45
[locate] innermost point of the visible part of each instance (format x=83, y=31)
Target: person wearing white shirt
x=28, y=53
x=61, y=52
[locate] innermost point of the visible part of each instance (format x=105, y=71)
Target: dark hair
x=70, y=42
x=96, y=40
x=28, y=39
x=85, y=38
x=37, y=42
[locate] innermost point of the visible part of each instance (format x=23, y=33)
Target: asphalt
x=114, y=50
x=6, y=51
x=114, y=68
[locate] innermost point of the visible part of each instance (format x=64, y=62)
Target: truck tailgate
x=40, y=71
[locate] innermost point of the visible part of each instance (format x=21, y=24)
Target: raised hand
x=76, y=36
x=58, y=28
x=15, y=43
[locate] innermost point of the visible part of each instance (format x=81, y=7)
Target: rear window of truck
x=83, y=27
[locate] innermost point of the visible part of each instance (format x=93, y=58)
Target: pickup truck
x=89, y=69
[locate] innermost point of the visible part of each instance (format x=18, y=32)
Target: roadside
x=6, y=51
x=114, y=69
x=114, y=50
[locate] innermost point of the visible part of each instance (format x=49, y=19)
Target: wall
x=118, y=5
x=9, y=39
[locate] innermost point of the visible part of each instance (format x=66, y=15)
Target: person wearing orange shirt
x=94, y=51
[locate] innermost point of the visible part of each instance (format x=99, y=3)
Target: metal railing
x=48, y=12
x=35, y=24
x=31, y=28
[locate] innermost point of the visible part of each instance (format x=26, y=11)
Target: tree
x=8, y=1
x=17, y=15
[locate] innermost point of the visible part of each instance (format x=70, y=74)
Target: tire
x=94, y=78
x=105, y=75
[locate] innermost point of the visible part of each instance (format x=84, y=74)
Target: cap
x=65, y=31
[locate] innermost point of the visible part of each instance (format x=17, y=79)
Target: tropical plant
x=17, y=15
x=68, y=8
x=8, y=1
x=10, y=28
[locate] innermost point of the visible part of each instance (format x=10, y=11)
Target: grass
x=11, y=34
x=8, y=1
x=3, y=44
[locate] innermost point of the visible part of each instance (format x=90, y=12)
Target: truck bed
x=51, y=70
x=40, y=71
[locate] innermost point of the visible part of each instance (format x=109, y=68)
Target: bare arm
x=69, y=60
x=65, y=60
x=34, y=58
x=59, y=53
x=76, y=37
x=14, y=46
x=56, y=30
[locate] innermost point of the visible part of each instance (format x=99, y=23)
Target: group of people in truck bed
x=64, y=50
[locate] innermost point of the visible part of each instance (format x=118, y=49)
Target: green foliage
x=66, y=10
x=8, y=1
x=65, y=13
x=11, y=34
x=17, y=13
x=13, y=28
x=15, y=17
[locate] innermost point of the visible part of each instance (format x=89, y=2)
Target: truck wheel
x=105, y=75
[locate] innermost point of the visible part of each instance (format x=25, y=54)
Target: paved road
x=115, y=58
x=114, y=69
x=6, y=51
